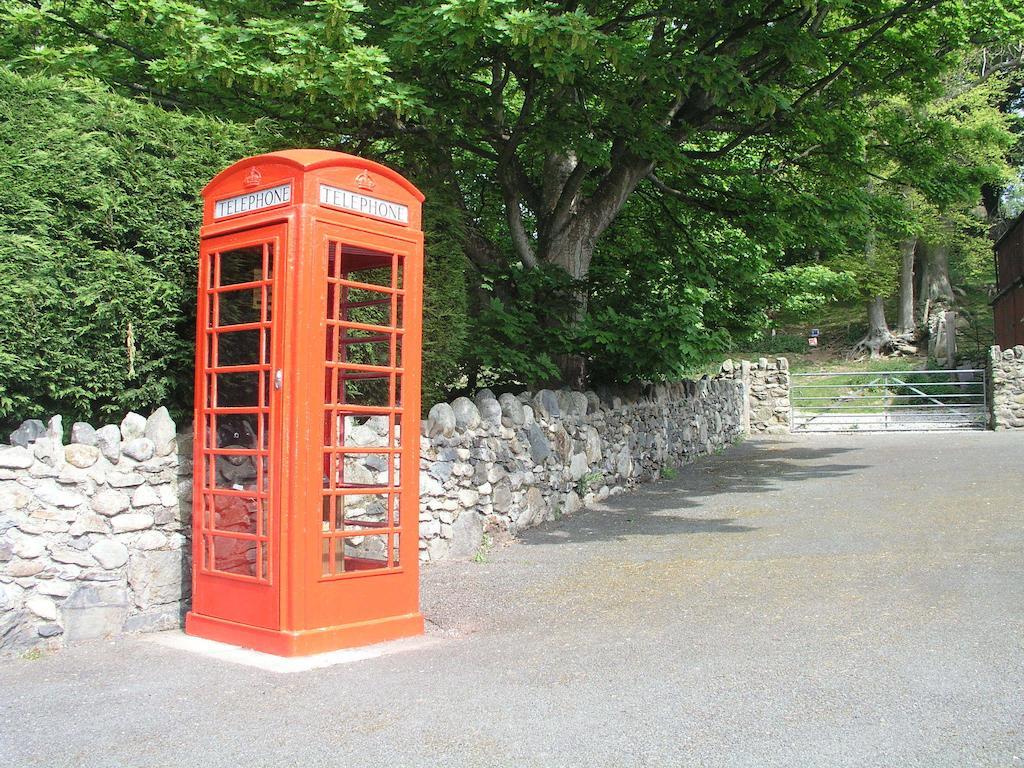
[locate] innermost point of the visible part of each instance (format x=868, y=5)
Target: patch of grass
x=486, y=545
x=585, y=483
x=669, y=473
x=35, y=654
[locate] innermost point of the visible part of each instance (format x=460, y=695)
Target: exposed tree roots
x=885, y=343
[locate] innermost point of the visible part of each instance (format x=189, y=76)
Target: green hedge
x=98, y=230
x=99, y=217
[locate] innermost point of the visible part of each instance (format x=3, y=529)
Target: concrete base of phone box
x=304, y=642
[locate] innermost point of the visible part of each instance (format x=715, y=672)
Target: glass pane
x=238, y=390
x=394, y=549
x=241, y=265
x=359, y=553
x=237, y=307
x=361, y=388
x=237, y=514
x=364, y=431
x=361, y=511
x=365, y=347
x=365, y=297
x=356, y=471
x=236, y=556
x=239, y=348
x=366, y=265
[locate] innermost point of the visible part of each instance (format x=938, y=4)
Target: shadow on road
x=752, y=468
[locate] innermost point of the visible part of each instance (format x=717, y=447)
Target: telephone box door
x=236, y=548
x=361, y=542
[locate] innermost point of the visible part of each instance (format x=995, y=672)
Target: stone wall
x=767, y=386
x=500, y=465
x=93, y=534
x=95, y=530
x=1006, y=379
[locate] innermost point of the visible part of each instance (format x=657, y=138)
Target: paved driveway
x=833, y=601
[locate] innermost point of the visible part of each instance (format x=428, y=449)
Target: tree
x=543, y=119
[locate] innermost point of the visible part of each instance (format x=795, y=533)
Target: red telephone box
x=306, y=503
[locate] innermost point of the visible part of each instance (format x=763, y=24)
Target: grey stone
x=483, y=394
x=145, y=496
x=157, y=620
x=441, y=421
x=28, y=547
x=49, y=451
x=133, y=426
x=64, y=554
x=561, y=442
x=467, y=535
x=545, y=403
x=81, y=456
x=155, y=577
x=133, y=521
x=578, y=466
x=502, y=498
x=139, y=448
x=29, y=431
x=124, y=479
x=109, y=554
x=512, y=409
x=59, y=497
x=55, y=587
x=94, y=611
x=151, y=539
x=442, y=470
x=14, y=497
x=109, y=502
x=49, y=630
x=108, y=440
x=468, y=497
x=15, y=457
x=593, y=445
x=20, y=569
x=82, y=433
x=160, y=429
x=572, y=503
x=490, y=412
x=540, y=448
x=55, y=430
x=43, y=607
x=467, y=415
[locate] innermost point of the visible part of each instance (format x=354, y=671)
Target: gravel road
x=828, y=601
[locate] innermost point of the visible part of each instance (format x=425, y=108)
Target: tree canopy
x=631, y=182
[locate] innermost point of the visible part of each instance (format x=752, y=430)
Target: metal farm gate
x=888, y=401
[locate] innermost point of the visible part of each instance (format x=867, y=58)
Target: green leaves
x=98, y=230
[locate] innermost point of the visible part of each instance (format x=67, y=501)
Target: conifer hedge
x=99, y=218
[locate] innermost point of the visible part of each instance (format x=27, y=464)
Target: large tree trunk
x=936, y=288
x=570, y=231
x=879, y=335
x=905, y=315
